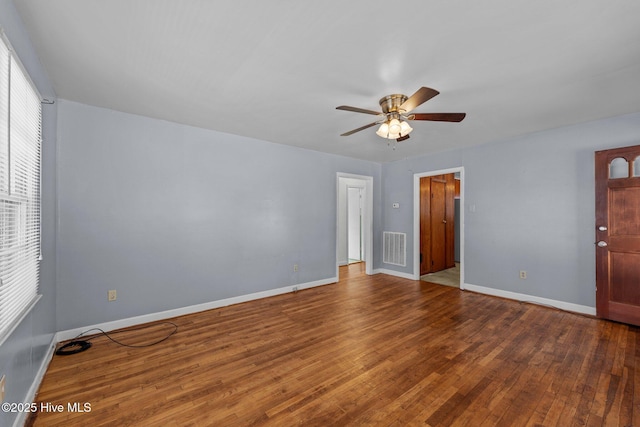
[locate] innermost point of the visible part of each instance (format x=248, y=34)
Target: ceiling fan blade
x=358, y=110
x=351, y=132
x=440, y=117
x=422, y=95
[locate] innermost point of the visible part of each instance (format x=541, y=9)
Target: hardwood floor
x=370, y=350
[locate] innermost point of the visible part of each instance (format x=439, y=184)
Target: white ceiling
x=276, y=70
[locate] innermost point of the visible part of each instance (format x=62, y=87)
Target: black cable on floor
x=73, y=347
x=77, y=346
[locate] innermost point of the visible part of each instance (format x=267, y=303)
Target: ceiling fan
x=393, y=119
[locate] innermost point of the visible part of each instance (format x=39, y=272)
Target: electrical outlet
x=295, y=267
x=3, y=381
x=523, y=274
x=111, y=295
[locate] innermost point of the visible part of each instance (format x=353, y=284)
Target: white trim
x=416, y=219
x=152, y=317
x=576, y=308
x=368, y=220
x=35, y=385
x=394, y=273
x=15, y=55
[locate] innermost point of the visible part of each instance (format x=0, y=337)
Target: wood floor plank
x=632, y=360
x=369, y=350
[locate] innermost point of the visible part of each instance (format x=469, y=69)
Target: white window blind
x=20, y=142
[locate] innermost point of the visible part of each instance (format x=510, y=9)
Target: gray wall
x=397, y=186
x=24, y=350
x=172, y=216
x=534, y=207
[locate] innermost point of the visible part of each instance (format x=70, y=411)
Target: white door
x=354, y=223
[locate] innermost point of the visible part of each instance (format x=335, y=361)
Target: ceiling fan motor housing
x=392, y=103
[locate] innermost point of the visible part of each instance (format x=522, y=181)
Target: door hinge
x=420, y=258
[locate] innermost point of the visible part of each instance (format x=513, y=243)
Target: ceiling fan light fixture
x=405, y=129
x=394, y=129
x=394, y=126
x=383, y=131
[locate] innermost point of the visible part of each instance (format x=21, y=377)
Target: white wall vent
x=395, y=248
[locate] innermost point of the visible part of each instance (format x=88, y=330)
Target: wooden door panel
x=438, y=226
x=629, y=244
x=425, y=225
x=624, y=211
x=450, y=218
x=625, y=271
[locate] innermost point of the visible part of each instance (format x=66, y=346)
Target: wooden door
x=437, y=243
x=618, y=234
x=438, y=226
x=425, y=225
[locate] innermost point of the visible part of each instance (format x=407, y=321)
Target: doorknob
x=444, y=221
x=602, y=228
x=602, y=244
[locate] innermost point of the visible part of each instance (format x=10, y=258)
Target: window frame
x=20, y=192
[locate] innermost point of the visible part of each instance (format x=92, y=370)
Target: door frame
x=367, y=214
x=416, y=218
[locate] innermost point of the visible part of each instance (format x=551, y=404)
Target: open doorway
x=354, y=221
x=447, y=219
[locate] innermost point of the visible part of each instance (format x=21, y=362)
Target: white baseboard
x=394, y=273
x=35, y=385
x=576, y=308
x=153, y=317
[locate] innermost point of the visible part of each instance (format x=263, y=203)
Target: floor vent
x=395, y=248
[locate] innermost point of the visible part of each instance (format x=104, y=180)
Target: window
x=20, y=141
